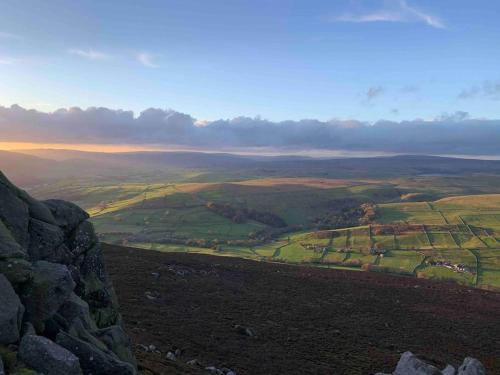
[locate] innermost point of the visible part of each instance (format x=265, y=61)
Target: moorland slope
x=303, y=320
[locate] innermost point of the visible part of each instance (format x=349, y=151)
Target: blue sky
x=280, y=59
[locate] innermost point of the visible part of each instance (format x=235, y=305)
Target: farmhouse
x=454, y=267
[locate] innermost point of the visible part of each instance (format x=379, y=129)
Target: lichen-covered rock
x=83, y=238
x=17, y=270
x=94, y=360
x=118, y=342
x=9, y=248
x=52, y=264
x=46, y=241
x=50, y=288
x=14, y=213
x=67, y=215
x=11, y=313
x=45, y=356
x=76, y=308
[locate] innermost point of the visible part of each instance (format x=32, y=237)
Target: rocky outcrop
x=58, y=309
x=410, y=364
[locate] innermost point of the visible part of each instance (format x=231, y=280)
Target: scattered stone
x=194, y=363
x=43, y=355
x=152, y=296
x=471, y=366
x=177, y=352
x=171, y=356
x=214, y=370
x=242, y=330
x=409, y=364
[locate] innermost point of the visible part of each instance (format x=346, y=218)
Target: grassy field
x=423, y=225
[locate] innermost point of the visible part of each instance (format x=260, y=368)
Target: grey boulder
x=409, y=364
x=9, y=248
x=76, y=308
x=449, y=370
x=94, y=360
x=14, y=212
x=46, y=241
x=11, y=313
x=67, y=215
x=43, y=355
x=51, y=286
x=471, y=366
x=118, y=342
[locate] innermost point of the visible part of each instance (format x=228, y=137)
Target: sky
x=279, y=59
x=247, y=73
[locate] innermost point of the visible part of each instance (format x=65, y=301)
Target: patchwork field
x=455, y=237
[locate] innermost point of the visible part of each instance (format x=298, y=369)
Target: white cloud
x=374, y=92
x=146, y=59
x=455, y=133
x=394, y=11
x=488, y=90
x=7, y=60
x=90, y=54
x=5, y=35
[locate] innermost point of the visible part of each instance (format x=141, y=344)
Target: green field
x=461, y=226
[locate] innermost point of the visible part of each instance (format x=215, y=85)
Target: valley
x=428, y=225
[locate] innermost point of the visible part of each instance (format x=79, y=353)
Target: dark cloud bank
x=449, y=134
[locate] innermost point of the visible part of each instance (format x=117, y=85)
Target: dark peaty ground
x=306, y=320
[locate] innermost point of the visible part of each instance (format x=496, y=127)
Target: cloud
x=89, y=54
x=410, y=89
x=373, y=93
x=488, y=90
x=457, y=116
x=447, y=134
x=146, y=59
x=393, y=11
x=5, y=35
x=7, y=60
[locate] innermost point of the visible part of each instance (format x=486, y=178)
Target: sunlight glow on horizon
x=19, y=146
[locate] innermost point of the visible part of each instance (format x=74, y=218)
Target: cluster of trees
x=267, y=234
x=369, y=213
x=346, y=214
x=241, y=215
x=197, y=242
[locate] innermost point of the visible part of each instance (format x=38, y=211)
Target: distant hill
x=29, y=167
